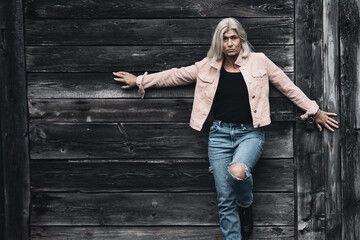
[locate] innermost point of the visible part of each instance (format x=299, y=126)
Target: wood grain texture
x=132, y=58
x=145, y=209
x=350, y=131
x=3, y=62
x=260, y=31
x=149, y=175
x=308, y=150
x=102, y=85
x=136, y=140
x=123, y=110
x=157, y=9
x=14, y=158
x=153, y=233
x=331, y=140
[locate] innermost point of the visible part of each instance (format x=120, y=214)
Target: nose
x=230, y=43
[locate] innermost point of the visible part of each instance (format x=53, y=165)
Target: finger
x=319, y=127
x=119, y=73
x=331, y=114
x=333, y=120
x=126, y=87
x=328, y=127
x=119, y=79
x=332, y=124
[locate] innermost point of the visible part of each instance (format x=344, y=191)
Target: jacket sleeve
x=282, y=82
x=167, y=78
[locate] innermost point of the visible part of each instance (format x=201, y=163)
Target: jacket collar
x=240, y=61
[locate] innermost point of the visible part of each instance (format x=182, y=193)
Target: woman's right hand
x=127, y=78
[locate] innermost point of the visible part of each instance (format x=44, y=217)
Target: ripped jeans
x=233, y=143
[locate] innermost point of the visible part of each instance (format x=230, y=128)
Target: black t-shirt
x=232, y=98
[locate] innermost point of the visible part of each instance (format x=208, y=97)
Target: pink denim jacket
x=257, y=70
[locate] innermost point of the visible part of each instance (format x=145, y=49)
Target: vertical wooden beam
x=14, y=125
x=331, y=141
x=350, y=132
x=2, y=76
x=308, y=144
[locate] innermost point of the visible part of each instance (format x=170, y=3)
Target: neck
x=230, y=61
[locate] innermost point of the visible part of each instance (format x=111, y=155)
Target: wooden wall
x=14, y=146
x=105, y=164
x=349, y=27
x=108, y=165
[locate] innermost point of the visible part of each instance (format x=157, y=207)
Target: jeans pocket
x=213, y=128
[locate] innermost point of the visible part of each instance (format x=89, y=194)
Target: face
x=232, y=43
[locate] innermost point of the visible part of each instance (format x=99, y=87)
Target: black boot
x=246, y=220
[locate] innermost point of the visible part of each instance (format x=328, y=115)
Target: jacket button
x=253, y=96
x=243, y=68
x=254, y=111
x=258, y=125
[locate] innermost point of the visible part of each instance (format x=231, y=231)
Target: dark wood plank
x=349, y=38
x=141, y=31
x=101, y=85
x=131, y=58
x=162, y=175
x=123, y=110
x=350, y=119
x=308, y=150
x=158, y=9
x=2, y=159
x=150, y=209
x=331, y=140
x=153, y=233
x=132, y=140
x=14, y=158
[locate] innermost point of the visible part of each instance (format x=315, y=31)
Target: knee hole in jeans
x=238, y=170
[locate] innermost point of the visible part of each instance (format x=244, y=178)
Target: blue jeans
x=233, y=143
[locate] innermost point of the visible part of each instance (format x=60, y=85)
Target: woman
x=232, y=87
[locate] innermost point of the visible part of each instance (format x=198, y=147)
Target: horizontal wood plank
x=153, y=233
x=260, y=31
x=174, y=209
x=158, y=8
x=131, y=58
x=269, y=175
x=132, y=140
x=102, y=85
x=123, y=110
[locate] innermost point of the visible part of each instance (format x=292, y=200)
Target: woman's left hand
x=322, y=117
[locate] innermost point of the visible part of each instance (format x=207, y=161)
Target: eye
x=233, y=37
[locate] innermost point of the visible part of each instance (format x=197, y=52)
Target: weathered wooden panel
x=153, y=233
x=166, y=175
x=308, y=151
x=350, y=60
x=116, y=209
x=123, y=110
x=331, y=140
x=131, y=140
x=131, y=58
x=157, y=8
x=141, y=31
x=14, y=148
x=350, y=120
x=101, y=85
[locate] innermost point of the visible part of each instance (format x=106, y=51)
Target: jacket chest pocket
x=206, y=78
x=205, y=81
x=259, y=73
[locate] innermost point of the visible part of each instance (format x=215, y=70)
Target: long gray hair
x=216, y=49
